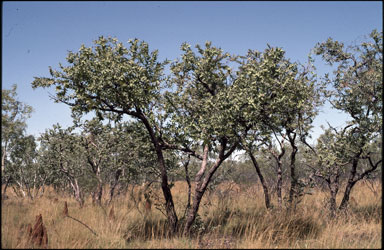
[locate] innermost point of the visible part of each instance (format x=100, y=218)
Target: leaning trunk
x=262, y=181
x=344, y=203
x=350, y=184
x=169, y=205
x=199, y=192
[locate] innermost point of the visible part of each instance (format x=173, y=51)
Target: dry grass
x=232, y=218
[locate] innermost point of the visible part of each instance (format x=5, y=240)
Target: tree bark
x=5, y=188
x=169, y=205
x=279, y=171
x=201, y=184
x=199, y=192
x=350, y=184
x=77, y=192
x=279, y=185
x=116, y=181
x=189, y=186
x=334, y=189
x=262, y=181
x=97, y=195
x=292, y=191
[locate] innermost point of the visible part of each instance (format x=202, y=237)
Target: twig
x=82, y=224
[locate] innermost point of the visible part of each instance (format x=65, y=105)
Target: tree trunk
x=193, y=212
x=116, y=181
x=262, y=181
x=350, y=184
x=77, y=192
x=169, y=205
x=279, y=172
x=3, y=156
x=189, y=186
x=292, y=191
x=5, y=188
x=199, y=192
x=279, y=185
x=334, y=189
x=344, y=203
x=201, y=184
x=97, y=195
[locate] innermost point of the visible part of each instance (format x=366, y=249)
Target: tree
x=99, y=143
x=201, y=114
x=62, y=153
x=357, y=88
x=13, y=123
x=331, y=161
x=114, y=81
x=277, y=99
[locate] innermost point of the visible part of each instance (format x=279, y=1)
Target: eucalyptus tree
x=202, y=114
x=13, y=123
x=277, y=99
x=357, y=89
x=114, y=81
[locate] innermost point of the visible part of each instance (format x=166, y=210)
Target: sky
x=36, y=35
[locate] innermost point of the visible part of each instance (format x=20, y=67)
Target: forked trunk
x=350, y=184
x=202, y=183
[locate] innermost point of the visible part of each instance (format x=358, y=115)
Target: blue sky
x=36, y=35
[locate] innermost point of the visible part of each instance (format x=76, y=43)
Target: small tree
x=277, y=99
x=331, y=161
x=114, y=81
x=62, y=153
x=357, y=88
x=13, y=124
x=202, y=114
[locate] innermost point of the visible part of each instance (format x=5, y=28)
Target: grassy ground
x=233, y=218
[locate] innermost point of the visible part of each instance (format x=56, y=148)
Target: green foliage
x=108, y=78
x=357, y=82
x=274, y=94
x=200, y=105
x=13, y=122
x=357, y=90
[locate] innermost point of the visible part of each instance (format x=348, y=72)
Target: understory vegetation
x=237, y=220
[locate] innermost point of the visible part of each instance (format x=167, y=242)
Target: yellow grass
x=233, y=219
